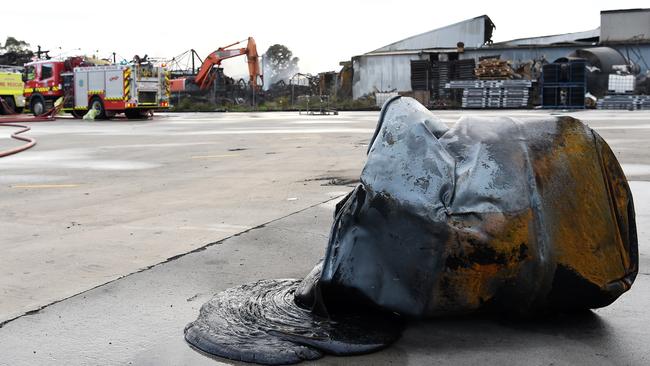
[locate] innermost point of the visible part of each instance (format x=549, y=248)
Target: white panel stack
x=625, y=102
x=621, y=84
x=493, y=93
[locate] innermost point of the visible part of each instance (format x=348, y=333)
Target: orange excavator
x=204, y=78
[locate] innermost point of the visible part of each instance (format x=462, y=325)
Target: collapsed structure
x=209, y=80
x=492, y=214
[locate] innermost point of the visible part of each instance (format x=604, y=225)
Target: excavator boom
x=205, y=79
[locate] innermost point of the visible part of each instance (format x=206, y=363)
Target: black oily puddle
x=260, y=322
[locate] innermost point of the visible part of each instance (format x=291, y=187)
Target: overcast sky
x=320, y=33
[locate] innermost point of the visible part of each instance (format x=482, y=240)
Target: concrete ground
x=96, y=218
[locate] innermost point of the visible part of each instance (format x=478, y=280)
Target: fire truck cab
x=133, y=89
x=42, y=84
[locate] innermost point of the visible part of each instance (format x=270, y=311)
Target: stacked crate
x=564, y=84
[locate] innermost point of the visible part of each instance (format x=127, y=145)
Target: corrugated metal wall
x=625, y=25
x=382, y=73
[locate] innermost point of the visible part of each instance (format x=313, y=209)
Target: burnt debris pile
x=492, y=214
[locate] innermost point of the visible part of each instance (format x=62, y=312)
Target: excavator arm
x=205, y=79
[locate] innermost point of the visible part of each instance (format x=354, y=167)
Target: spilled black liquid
x=260, y=322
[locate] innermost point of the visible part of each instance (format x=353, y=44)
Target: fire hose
x=13, y=118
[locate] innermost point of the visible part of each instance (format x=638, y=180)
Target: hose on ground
x=30, y=141
x=11, y=122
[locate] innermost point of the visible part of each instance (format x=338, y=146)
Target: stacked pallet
x=433, y=75
x=464, y=69
x=420, y=74
x=440, y=72
x=494, y=69
x=624, y=102
x=493, y=93
x=564, y=84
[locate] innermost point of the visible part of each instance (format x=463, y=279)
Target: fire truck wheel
x=78, y=113
x=37, y=105
x=11, y=104
x=97, y=104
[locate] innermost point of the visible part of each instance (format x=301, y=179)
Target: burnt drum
x=493, y=214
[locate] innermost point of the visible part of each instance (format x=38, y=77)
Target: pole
x=193, y=61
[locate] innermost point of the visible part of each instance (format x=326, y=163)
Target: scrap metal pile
x=492, y=214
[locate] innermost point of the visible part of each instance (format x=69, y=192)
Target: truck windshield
x=46, y=71
x=30, y=73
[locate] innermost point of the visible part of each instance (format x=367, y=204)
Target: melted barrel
x=494, y=214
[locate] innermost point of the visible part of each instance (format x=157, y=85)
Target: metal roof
x=635, y=10
x=621, y=25
x=472, y=32
x=575, y=37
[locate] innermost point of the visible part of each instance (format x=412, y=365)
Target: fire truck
x=134, y=89
x=11, y=89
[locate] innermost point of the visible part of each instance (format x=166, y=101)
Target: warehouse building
x=388, y=69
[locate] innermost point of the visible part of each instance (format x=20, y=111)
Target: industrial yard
x=454, y=197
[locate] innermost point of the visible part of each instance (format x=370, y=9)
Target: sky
x=320, y=33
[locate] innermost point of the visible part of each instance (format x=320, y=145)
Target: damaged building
x=389, y=68
x=429, y=61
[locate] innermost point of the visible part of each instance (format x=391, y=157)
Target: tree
x=279, y=64
x=15, y=52
x=14, y=45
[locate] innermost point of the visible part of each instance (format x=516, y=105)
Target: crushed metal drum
x=491, y=215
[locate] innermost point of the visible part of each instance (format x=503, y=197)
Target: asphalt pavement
x=115, y=233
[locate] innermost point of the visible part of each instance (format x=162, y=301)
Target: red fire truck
x=133, y=89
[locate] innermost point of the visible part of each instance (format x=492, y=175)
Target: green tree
x=15, y=52
x=279, y=64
